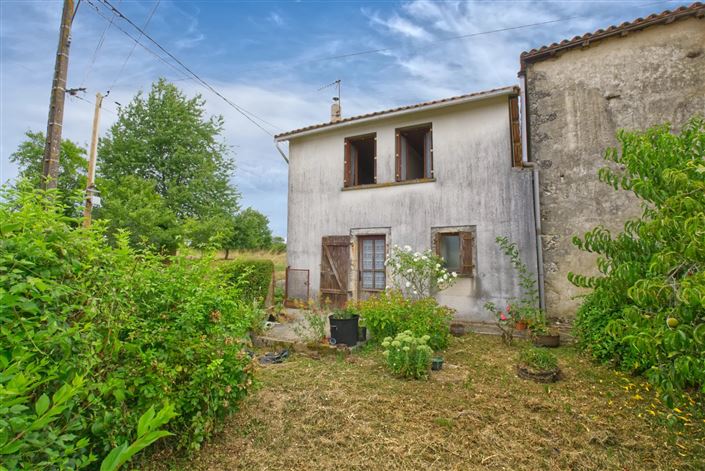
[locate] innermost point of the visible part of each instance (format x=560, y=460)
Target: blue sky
x=272, y=57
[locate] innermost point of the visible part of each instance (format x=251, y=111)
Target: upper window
x=457, y=250
x=414, y=153
x=360, y=160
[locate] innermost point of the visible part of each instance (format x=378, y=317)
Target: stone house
x=578, y=93
x=440, y=175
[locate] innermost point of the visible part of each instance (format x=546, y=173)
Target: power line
x=93, y=103
x=89, y=68
x=134, y=45
x=247, y=114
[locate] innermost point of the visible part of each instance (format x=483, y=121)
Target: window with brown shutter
x=414, y=153
x=515, y=130
x=360, y=160
x=457, y=249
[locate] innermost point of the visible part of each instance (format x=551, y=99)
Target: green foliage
x=147, y=433
x=418, y=275
x=166, y=139
x=539, y=359
x=92, y=336
x=408, y=356
x=647, y=308
x=133, y=205
x=278, y=244
x=313, y=326
x=252, y=277
x=344, y=313
x=390, y=313
x=73, y=165
x=249, y=231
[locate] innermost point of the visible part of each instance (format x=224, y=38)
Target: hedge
x=252, y=277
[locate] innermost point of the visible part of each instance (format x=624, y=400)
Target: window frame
x=428, y=173
x=347, y=164
x=467, y=250
x=374, y=271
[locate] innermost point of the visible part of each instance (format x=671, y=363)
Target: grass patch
x=474, y=413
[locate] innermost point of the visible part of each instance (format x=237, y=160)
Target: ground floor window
x=372, y=255
x=456, y=246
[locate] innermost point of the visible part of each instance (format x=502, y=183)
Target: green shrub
x=647, y=309
x=252, y=277
x=125, y=330
x=389, y=313
x=539, y=359
x=408, y=356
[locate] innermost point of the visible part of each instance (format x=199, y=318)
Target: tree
x=72, y=165
x=165, y=139
x=646, y=312
x=250, y=231
x=134, y=205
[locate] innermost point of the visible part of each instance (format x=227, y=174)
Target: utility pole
x=50, y=171
x=90, y=185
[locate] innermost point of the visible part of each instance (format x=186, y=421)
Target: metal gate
x=296, y=288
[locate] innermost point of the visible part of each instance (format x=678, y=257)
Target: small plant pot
x=457, y=330
x=540, y=376
x=547, y=340
x=344, y=331
x=437, y=363
x=361, y=333
x=520, y=325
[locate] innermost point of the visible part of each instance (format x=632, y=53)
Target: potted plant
x=344, y=327
x=436, y=363
x=538, y=365
x=541, y=334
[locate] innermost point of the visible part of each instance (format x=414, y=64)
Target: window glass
x=450, y=251
x=372, y=269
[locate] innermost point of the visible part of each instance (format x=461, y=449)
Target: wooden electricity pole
x=90, y=184
x=52, y=148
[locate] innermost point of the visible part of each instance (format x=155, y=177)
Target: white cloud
x=276, y=18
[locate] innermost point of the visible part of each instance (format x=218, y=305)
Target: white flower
x=416, y=254
x=409, y=270
x=440, y=280
x=416, y=292
x=455, y=275
x=407, y=248
x=408, y=284
x=438, y=265
x=423, y=257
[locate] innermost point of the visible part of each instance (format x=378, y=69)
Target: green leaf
x=42, y=404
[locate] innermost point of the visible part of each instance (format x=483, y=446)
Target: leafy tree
x=133, y=204
x=165, y=138
x=278, y=244
x=647, y=308
x=250, y=231
x=73, y=165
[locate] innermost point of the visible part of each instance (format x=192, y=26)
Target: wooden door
x=335, y=265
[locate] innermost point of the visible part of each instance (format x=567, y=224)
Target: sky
x=272, y=59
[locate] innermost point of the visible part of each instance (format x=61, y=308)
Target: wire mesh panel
x=297, y=288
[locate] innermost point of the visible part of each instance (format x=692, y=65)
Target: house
x=578, y=93
x=444, y=175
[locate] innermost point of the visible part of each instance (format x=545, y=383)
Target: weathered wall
x=576, y=103
x=475, y=186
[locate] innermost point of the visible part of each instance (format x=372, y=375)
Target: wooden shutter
x=467, y=245
x=437, y=243
x=335, y=266
x=428, y=154
x=515, y=129
x=346, y=171
x=375, y=158
x=398, y=157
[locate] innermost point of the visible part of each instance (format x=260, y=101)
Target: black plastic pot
x=437, y=363
x=362, y=333
x=344, y=331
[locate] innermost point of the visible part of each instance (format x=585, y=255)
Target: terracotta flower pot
x=547, y=340
x=520, y=325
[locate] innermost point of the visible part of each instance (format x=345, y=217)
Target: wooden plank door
x=335, y=265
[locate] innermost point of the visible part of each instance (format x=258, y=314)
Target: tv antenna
x=335, y=84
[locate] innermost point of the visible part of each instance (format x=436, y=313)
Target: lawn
x=349, y=413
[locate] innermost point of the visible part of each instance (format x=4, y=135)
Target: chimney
x=335, y=110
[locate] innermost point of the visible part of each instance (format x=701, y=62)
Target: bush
x=418, y=275
x=389, y=314
x=252, y=277
x=647, y=309
x=538, y=359
x=93, y=336
x=408, y=356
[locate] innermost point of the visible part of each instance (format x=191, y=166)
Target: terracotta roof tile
x=400, y=108
x=697, y=9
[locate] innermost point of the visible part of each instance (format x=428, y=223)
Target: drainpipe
x=536, y=188
x=286, y=159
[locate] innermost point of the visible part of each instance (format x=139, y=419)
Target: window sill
x=388, y=184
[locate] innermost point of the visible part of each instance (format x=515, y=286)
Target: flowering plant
x=418, y=274
x=506, y=320
x=408, y=356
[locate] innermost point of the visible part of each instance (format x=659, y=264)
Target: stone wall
x=577, y=101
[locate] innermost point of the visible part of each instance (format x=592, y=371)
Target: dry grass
x=351, y=414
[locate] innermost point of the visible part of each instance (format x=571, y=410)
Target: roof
x=696, y=10
x=398, y=111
